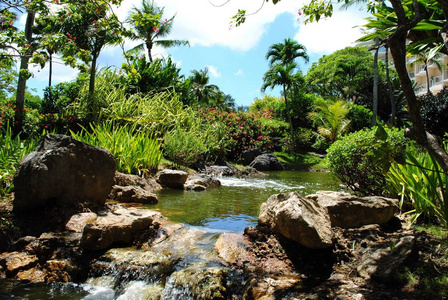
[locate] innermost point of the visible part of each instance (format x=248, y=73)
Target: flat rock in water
x=118, y=226
x=174, y=179
x=18, y=261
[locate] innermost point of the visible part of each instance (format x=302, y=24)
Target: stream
x=158, y=272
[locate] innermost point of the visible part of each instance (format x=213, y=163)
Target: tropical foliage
x=422, y=186
x=135, y=151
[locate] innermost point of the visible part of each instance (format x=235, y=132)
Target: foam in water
x=258, y=183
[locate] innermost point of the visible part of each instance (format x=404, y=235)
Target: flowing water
x=158, y=273
x=236, y=204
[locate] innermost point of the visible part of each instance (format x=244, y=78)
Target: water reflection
x=235, y=205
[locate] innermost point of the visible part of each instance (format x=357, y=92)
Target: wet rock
x=165, y=231
x=79, y=221
x=60, y=271
x=33, y=275
x=297, y=218
x=217, y=171
x=131, y=264
x=201, y=182
x=63, y=171
x=233, y=248
x=133, y=194
x=347, y=210
x=14, y=262
x=382, y=264
x=196, y=282
x=117, y=227
x=149, y=184
x=174, y=179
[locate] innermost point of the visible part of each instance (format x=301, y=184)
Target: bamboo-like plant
x=135, y=151
x=12, y=150
x=422, y=184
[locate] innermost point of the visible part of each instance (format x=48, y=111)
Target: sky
x=234, y=56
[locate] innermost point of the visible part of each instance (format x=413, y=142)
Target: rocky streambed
x=328, y=245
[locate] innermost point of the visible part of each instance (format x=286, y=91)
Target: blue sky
x=235, y=57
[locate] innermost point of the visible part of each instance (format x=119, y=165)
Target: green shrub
x=434, y=111
x=183, y=148
x=360, y=117
x=135, y=151
x=422, y=184
x=352, y=159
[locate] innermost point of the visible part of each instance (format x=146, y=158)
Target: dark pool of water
x=236, y=204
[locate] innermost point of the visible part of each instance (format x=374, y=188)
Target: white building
x=437, y=73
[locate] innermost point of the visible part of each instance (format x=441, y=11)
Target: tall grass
x=422, y=185
x=135, y=151
x=12, y=150
x=156, y=112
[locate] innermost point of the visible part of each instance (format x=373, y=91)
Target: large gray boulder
x=117, y=227
x=267, y=162
x=349, y=211
x=249, y=155
x=297, y=218
x=64, y=171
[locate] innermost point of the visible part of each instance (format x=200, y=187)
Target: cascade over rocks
x=65, y=172
x=347, y=210
x=297, y=218
x=267, y=162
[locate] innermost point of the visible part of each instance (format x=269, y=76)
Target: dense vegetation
x=152, y=112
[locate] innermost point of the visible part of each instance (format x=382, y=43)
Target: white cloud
x=213, y=71
x=329, y=35
x=239, y=73
x=201, y=23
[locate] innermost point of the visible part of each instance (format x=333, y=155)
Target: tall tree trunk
x=23, y=77
x=393, y=109
x=149, y=48
x=91, y=97
x=397, y=44
x=50, y=73
x=375, y=83
x=428, y=90
x=288, y=112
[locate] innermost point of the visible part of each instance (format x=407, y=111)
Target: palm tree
x=427, y=58
x=330, y=118
x=281, y=59
x=286, y=52
x=279, y=75
x=150, y=27
x=204, y=92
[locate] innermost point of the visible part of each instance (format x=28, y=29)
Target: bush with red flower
x=244, y=131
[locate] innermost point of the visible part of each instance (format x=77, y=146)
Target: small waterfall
x=171, y=269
